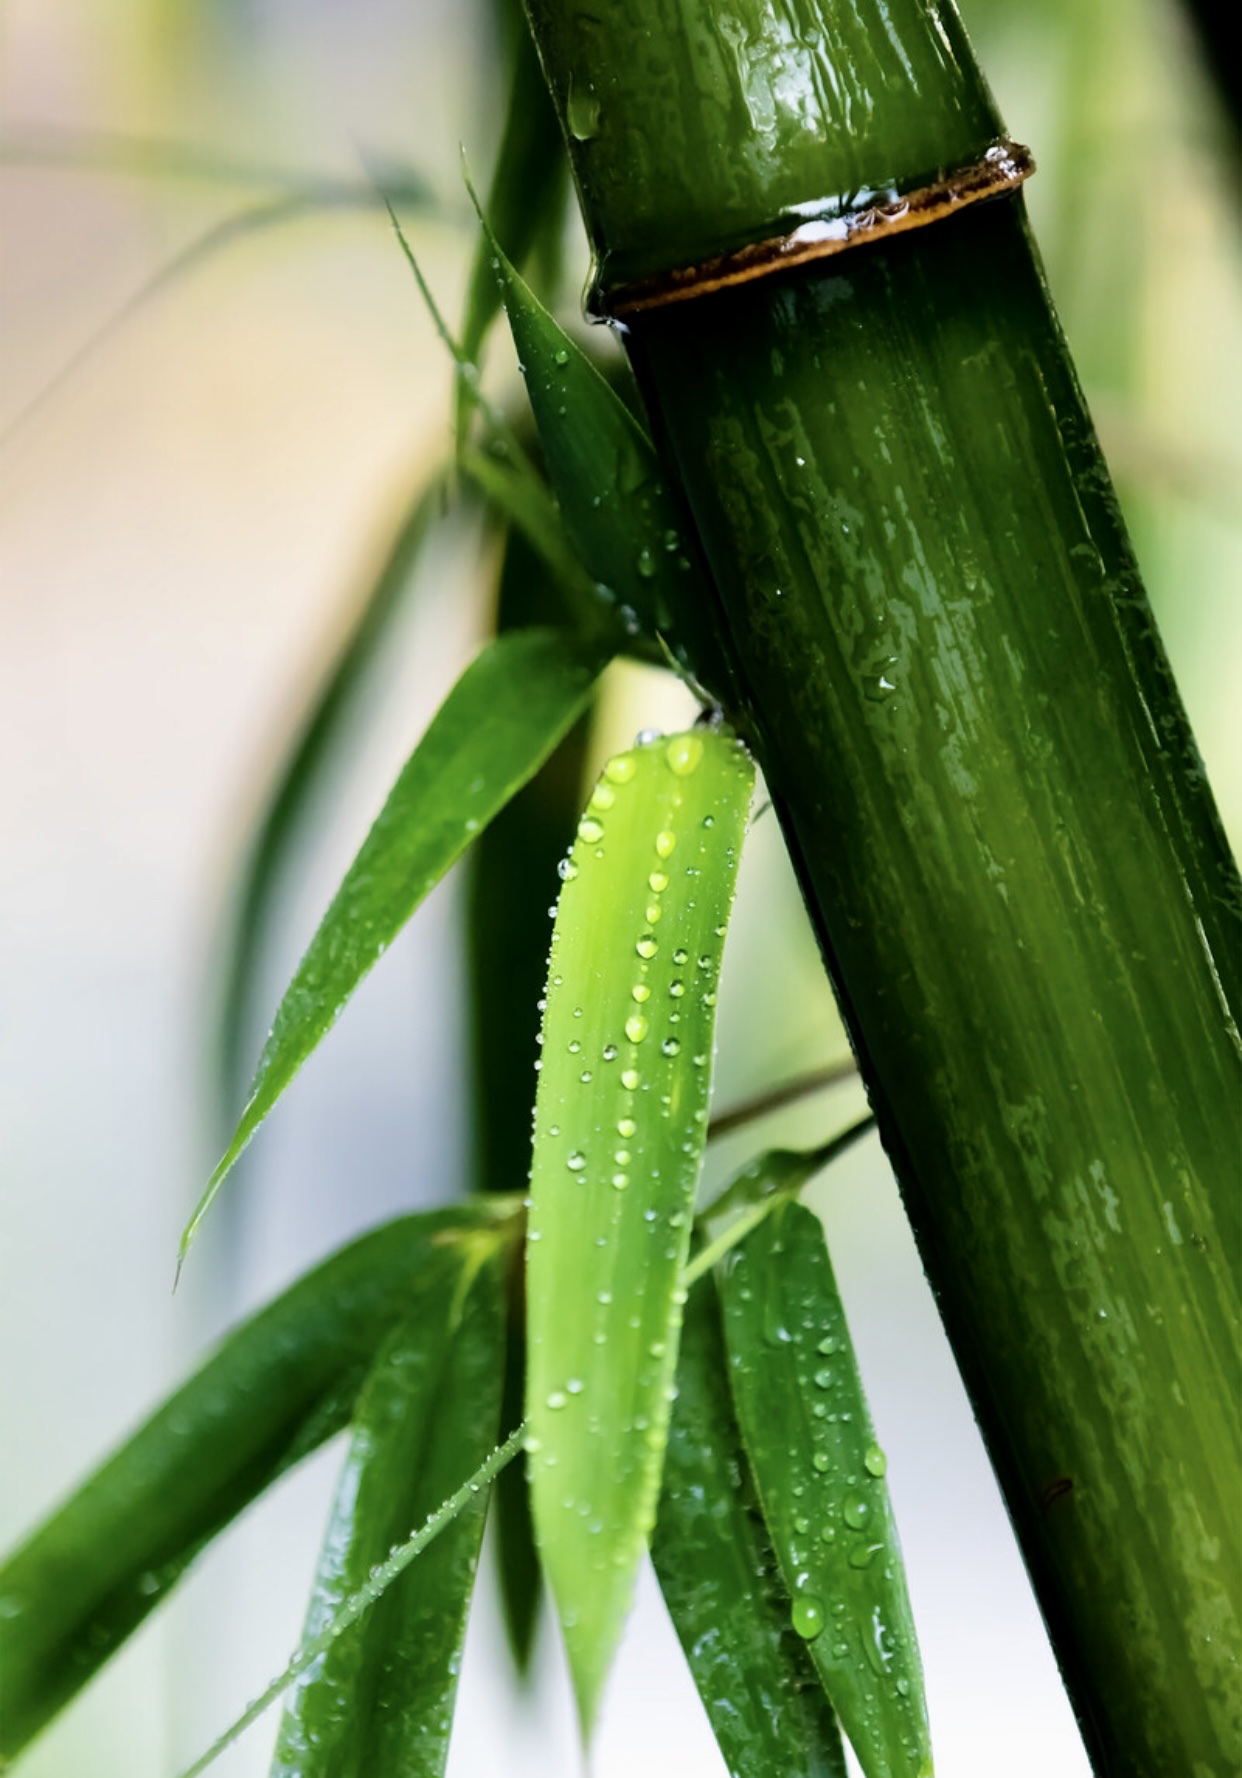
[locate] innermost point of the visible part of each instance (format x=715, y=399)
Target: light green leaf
x=808, y=1433
x=621, y=1115
x=299, y=778
x=721, y=1582
x=274, y=1390
x=380, y=1698
x=500, y=721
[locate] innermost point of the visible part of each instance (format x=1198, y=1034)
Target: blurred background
x=218, y=389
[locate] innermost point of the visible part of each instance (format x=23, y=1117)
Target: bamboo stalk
x=962, y=707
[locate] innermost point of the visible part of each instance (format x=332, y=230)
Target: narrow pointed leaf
x=380, y=1699
x=299, y=779
x=628, y=529
x=526, y=200
x=819, y=1471
x=621, y=1116
x=721, y=1581
x=274, y=1390
x=500, y=721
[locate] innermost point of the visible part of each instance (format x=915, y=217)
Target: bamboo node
x=829, y=228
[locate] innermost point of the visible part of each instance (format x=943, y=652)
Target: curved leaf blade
x=380, y=1699
x=275, y=1389
x=621, y=1115
x=504, y=716
x=721, y=1582
x=621, y=518
x=299, y=776
x=807, y=1429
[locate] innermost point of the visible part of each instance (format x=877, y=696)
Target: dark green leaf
x=526, y=199
x=721, y=1581
x=380, y=1699
x=621, y=1116
x=819, y=1471
x=513, y=881
x=628, y=529
x=299, y=778
x=274, y=1390
x=500, y=721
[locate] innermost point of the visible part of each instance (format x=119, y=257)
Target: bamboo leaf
x=820, y=1474
x=500, y=721
x=274, y=1390
x=380, y=1699
x=299, y=778
x=721, y=1582
x=621, y=1115
x=627, y=527
x=526, y=199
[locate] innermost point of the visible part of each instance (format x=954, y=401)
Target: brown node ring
x=1002, y=169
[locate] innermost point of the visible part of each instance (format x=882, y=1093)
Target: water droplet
x=875, y=1462
x=590, y=830
x=683, y=754
x=621, y=768
x=863, y=1555
x=567, y=870
x=654, y=910
x=671, y=541
x=561, y=357
x=620, y=1180
x=856, y=1511
x=823, y=1379
x=574, y=1386
x=706, y=960
x=603, y=796
x=670, y=1046
x=576, y=1161
x=635, y=1030
x=828, y=1534
x=903, y=1687
x=557, y=1399
x=646, y=564
x=879, y=681
x=585, y=1077
x=582, y=113
x=646, y=946
x=657, y=882
x=629, y=1079
x=827, y=1347
x=640, y=992
x=665, y=843
x=807, y=1616
x=680, y=955
x=574, y=1046
x=610, y=1052
x=822, y=1462
x=626, y=1127
x=802, y=1526
x=677, y=989
x=622, y=1157
x=647, y=737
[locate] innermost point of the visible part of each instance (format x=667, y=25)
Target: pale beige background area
x=183, y=521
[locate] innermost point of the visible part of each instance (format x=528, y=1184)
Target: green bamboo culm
x=954, y=684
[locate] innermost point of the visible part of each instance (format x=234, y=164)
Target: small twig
x=380, y=1579
x=775, y=1097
